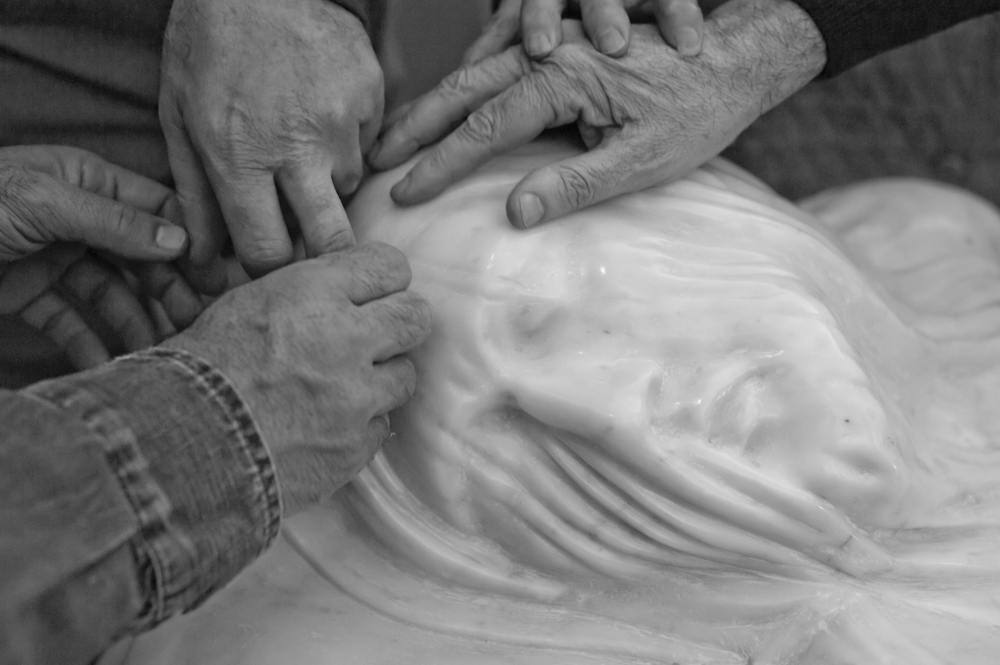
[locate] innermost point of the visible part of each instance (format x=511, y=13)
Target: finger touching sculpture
x=690, y=425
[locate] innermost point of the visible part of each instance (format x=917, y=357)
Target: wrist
x=774, y=44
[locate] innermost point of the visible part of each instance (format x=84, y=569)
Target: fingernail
x=531, y=209
x=611, y=42
x=170, y=237
x=538, y=45
x=688, y=41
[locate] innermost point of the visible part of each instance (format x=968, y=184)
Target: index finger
x=435, y=113
x=512, y=119
x=249, y=201
x=322, y=220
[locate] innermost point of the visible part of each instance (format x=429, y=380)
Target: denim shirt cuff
x=191, y=461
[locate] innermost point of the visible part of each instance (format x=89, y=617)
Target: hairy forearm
x=774, y=43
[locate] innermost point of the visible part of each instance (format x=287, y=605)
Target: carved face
x=672, y=351
x=680, y=427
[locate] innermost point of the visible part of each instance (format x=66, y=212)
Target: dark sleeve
x=855, y=30
x=370, y=12
x=128, y=494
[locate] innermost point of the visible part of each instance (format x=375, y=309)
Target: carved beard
x=690, y=425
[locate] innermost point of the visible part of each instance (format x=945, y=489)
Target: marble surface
x=696, y=424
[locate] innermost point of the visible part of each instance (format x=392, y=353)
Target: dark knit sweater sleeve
x=855, y=30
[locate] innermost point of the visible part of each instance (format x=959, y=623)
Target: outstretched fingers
x=249, y=199
x=513, y=118
x=438, y=111
x=310, y=190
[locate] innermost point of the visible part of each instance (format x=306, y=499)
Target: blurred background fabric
x=930, y=109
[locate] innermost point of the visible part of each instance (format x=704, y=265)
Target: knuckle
x=100, y=289
x=234, y=136
x=480, y=127
x=265, y=255
x=123, y=221
x=387, y=259
x=576, y=187
x=61, y=325
x=340, y=238
x=338, y=112
x=457, y=82
x=16, y=185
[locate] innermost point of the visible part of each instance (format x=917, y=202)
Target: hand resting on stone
x=648, y=117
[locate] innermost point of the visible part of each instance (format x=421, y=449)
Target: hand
x=647, y=118
x=55, y=202
x=315, y=351
x=262, y=95
x=538, y=24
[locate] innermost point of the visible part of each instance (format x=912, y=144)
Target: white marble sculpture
x=692, y=425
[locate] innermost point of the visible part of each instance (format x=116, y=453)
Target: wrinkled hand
x=538, y=25
x=258, y=96
x=649, y=117
x=55, y=202
x=315, y=351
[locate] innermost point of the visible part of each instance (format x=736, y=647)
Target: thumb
x=42, y=209
x=572, y=184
